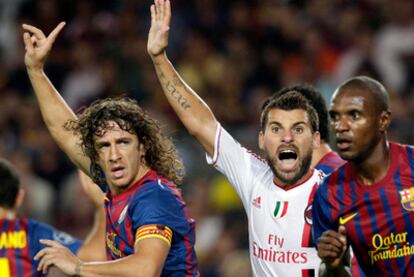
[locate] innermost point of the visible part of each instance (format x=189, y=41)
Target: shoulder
x=158, y=191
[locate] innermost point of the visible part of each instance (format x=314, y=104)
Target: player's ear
x=19, y=198
x=261, y=140
x=385, y=120
x=316, y=140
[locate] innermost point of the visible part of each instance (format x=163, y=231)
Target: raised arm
x=55, y=111
x=190, y=108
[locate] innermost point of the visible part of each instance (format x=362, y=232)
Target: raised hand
x=160, y=25
x=332, y=247
x=38, y=45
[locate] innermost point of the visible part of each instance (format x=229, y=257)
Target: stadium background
x=233, y=53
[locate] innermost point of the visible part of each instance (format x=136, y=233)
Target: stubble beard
x=291, y=178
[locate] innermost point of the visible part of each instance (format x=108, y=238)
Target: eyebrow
x=294, y=125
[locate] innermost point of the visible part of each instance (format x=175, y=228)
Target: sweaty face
x=288, y=144
x=120, y=157
x=355, y=123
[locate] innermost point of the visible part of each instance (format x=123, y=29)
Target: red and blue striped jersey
x=152, y=207
x=379, y=218
x=329, y=162
x=19, y=243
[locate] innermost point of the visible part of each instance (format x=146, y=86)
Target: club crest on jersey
x=257, y=202
x=280, y=209
x=308, y=214
x=407, y=199
x=123, y=214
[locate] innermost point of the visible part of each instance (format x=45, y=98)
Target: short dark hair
x=292, y=100
x=377, y=90
x=9, y=185
x=317, y=101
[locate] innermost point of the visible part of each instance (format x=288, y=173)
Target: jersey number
x=4, y=267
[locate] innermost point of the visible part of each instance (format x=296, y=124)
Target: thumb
x=342, y=232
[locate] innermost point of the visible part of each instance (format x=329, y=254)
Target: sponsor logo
x=390, y=247
x=344, y=220
x=257, y=202
x=308, y=214
x=407, y=199
x=280, y=209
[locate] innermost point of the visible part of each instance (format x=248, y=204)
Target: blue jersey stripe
x=18, y=253
x=374, y=226
x=397, y=180
x=341, y=177
x=390, y=222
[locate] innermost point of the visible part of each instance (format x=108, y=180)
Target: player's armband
x=154, y=231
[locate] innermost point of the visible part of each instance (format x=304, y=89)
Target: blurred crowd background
x=233, y=53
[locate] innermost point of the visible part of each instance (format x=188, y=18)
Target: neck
x=7, y=213
x=320, y=152
x=375, y=167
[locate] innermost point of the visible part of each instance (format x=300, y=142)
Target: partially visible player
x=368, y=202
x=324, y=158
x=19, y=236
x=276, y=192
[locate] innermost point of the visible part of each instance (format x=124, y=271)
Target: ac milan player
x=368, y=202
x=276, y=192
x=324, y=158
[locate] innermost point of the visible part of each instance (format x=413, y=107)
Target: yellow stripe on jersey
x=154, y=231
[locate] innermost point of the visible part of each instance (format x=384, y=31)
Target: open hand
x=57, y=255
x=38, y=45
x=160, y=25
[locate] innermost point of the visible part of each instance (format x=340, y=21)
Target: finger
x=28, y=43
x=342, y=232
x=167, y=13
x=157, y=10
x=51, y=243
x=52, y=36
x=152, y=9
x=162, y=3
x=35, y=31
x=33, y=39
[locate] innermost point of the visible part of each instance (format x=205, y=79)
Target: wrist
x=78, y=268
x=34, y=69
x=158, y=57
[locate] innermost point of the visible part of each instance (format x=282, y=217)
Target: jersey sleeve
x=45, y=231
x=321, y=219
x=237, y=163
x=159, y=212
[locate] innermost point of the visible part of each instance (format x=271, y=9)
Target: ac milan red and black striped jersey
x=379, y=218
x=19, y=243
x=152, y=207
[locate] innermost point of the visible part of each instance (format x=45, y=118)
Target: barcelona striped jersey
x=379, y=218
x=329, y=162
x=19, y=243
x=152, y=208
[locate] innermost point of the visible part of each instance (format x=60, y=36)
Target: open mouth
x=287, y=159
x=117, y=172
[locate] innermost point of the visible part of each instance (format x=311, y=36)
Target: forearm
x=340, y=271
x=125, y=267
x=56, y=113
x=93, y=248
x=190, y=108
